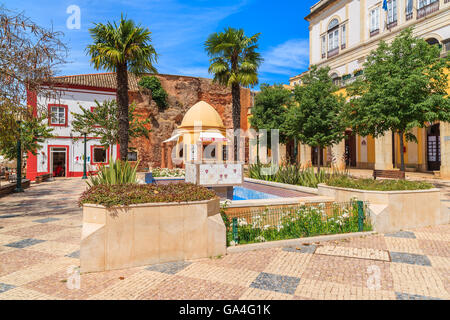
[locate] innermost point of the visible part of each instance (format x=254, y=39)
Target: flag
x=385, y=5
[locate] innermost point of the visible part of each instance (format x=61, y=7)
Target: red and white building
x=63, y=154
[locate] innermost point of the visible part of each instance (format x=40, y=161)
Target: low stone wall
x=150, y=233
x=7, y=188
x=395, y=210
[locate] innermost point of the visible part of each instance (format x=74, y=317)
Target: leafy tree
x=234, y=63
x=29, y=55
x=159, y=95
x=103, y=123
x=122, y=48
x=270, y=110
x=317, y=117
x=404, y=86
x=33, y=131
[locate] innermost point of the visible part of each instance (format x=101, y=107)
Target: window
x=333, y=38
x=224, y=153
x=426, y=7
x=409, y=9
x=374, y=21
x=132, y=156
x=392, y=13
x=99, y=155
x=57, y=115
x=343, y=37
x=324, y=46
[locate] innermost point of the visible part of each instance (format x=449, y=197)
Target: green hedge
x=128, y=194
x=377, y=185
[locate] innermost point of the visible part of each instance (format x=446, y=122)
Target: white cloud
x=287, y=58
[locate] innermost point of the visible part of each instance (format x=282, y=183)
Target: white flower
x=260, y=238
x=267, y=226
x=279, y=227
x=232, y=243
x=242, y=222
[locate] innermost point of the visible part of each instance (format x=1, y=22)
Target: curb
x=284, y=185
x=296, y=242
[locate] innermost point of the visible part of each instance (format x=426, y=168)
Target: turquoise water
x=241, y=193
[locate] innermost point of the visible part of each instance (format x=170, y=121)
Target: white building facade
x=63, y=155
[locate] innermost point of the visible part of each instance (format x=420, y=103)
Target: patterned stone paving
x=39, y=259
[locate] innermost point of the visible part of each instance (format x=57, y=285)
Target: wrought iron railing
x=270, y=224
x=333, y=52
x=428, y=9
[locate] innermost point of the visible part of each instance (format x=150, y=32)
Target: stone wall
x=183, y=93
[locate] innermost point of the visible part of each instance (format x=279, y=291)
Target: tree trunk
x=236, y=113
x=318, y=159
x=122, y=109
x=402, y=155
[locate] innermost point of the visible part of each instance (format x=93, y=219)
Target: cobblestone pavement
x=39, y=257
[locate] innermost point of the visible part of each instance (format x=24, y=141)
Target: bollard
x=360, y=216
x=235, y=231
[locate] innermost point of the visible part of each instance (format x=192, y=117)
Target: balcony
x=428, y=9
x=374, y=32
x=409, y=16
x=333, y=52
x=391, y=24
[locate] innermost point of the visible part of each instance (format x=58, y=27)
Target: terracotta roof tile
x=98, y=80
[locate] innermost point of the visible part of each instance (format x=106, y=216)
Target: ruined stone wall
x=183, y=93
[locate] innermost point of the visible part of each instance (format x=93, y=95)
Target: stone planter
x=150, y=233
x=395, y=210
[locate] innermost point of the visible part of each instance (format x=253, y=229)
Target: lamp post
x=19, y=161
x=85, y=156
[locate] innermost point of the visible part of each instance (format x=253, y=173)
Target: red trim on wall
x=31, y=166
x=67, y=171
x=68, y=137
x=66, y=107
x=118, y=151
x=82, y=87
x=92, y=155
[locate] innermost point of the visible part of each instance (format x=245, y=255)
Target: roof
x=204, y=112
x=98, y=80
x=317, y=7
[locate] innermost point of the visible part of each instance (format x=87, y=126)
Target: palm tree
x=122, y=48
x=234, y=63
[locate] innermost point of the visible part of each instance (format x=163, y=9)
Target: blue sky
x=179, y=29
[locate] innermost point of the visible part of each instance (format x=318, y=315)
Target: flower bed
x=128, y=194
x=164, y=172
x=377, y=185
x=294, y=222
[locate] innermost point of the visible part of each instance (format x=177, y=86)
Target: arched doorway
x=432, y=41
x=433, y=147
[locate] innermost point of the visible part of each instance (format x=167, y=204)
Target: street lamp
x=85, y=155
x=19, y=161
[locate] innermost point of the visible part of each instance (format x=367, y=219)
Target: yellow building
x=341, y=35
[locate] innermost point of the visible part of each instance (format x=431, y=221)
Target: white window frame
x=343, y=35
x=56, y=110
x=324, y=45
x=409, y=7
x=93, y=155
x=333, y=39
x=374, y=20
x=392, y=11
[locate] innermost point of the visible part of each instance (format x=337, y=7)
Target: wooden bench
x=43, y=177
x=392, y=174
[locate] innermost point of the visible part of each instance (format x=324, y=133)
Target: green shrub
x=378, y=185
x=165, y=172
x=118, y=172
x=305, y=221
x=159, y=95
x=128, y=194
x=293, y=174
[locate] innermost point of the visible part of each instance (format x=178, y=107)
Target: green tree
x=317, y=117
x=122, y=48
x=270, y=110
x=159, y=95
x=404, y=86
x=234, y=62
x=102, y=122
x=33, y=131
